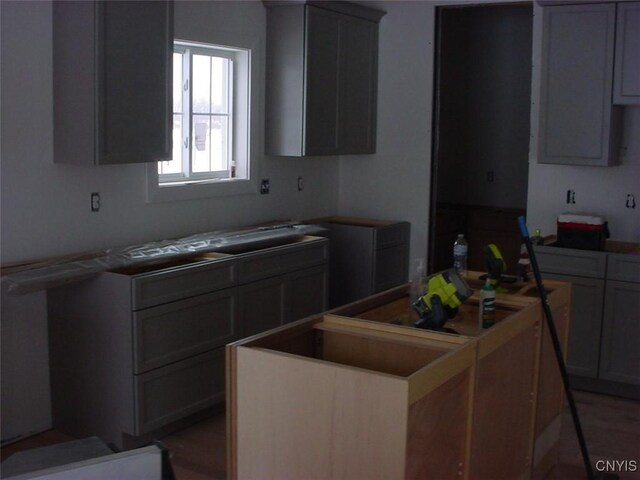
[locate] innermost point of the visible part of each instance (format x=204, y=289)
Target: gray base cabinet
x=605, y=315
x=135, y=350
x=112, y=81
x=367, y=256
x=322, y=70
x=578, y=125
x=583, y=351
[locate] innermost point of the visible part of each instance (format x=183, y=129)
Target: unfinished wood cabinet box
x=336, y=397
x=340, y=403
x=550, y=390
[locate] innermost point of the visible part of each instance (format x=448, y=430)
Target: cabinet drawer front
x=168, y=394
x=623, y=267
x=183, y=282
x=261, y=306
x=392, y=235
x=279, y=260
x=172, y=332
x=568, y=261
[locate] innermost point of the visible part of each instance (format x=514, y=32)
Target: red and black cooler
x=584, y=232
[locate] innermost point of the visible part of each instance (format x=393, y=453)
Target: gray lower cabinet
x=583, y=349
x=626, y=79
x=112, y=81
x=620, y=356
x=367, y=256
x=137, y=349
x=270, y=303
x=577, y=123
x=322, y=69
x=603, y=353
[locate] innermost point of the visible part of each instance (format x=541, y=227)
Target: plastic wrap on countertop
x=55, y=274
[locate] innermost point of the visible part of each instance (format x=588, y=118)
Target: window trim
x=245, y=139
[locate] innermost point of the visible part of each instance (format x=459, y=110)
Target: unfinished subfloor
x=611, y=426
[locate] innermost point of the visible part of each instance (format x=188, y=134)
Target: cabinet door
x=583, y=350
x=135, y=47
x=322, y=85
x=620, y=358
x=307, y=292
x=358, y=87
x=172, y=332
x=626, y=81
x=170, y=393
x=261, y=306
x=577, y=123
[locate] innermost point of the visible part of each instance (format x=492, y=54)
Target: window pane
x=219, y=85
x=201, y=82
x=200, y=148
x=177, y=82
x=219, y=143
x=175, y=164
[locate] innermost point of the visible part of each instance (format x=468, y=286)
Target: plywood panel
x=302, y=418
x=438, y=427
x=503, y=408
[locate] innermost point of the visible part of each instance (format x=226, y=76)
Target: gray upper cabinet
x=626, y=80
x=322, y=69
x=112, y=74
x=578, y=124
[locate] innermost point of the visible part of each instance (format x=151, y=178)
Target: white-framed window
x=211, y=124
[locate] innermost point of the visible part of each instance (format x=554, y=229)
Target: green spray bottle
x=487, y=305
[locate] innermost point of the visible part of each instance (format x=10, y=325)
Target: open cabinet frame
x=334, y=396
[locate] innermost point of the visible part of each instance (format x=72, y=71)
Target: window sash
x=187, y=174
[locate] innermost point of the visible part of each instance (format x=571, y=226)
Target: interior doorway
x=482, y=97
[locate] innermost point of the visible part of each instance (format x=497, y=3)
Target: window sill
x=178, y=191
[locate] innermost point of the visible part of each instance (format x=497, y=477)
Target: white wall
x=55, y=198
x=598, y=190
x=45, y=207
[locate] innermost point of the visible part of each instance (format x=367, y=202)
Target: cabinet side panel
x=74, y=95
x=298, y=418
x=90, y=339
x=351, y=263
x=501, y=445
x=284, y=80
x=436, y=447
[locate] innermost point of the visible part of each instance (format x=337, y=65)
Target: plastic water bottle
x=418, y=280
x=487, y=305
x=460, y=248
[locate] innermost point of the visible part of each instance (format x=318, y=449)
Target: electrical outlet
x=300, y=184
x=631, y=201
x=265, y=186
x=95, y=202
x=571, y=196
x=490, y=176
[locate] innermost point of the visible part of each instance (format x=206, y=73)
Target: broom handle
x=557, y=348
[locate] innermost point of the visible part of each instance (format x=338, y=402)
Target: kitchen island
x=356, y=393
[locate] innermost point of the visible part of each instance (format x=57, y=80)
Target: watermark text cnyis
x=617, y=465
